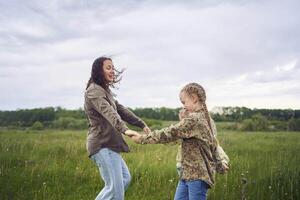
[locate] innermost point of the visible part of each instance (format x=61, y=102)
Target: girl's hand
x=147, y=130
x=183, y=113
x=137, y=139
x=225, y=167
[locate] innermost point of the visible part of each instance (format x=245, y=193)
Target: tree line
x=240, y=118
x=229, y=114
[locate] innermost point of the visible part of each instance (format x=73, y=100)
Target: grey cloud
x=288, y=71
x=163, y=45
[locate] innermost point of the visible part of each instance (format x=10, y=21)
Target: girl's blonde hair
x=198, y=90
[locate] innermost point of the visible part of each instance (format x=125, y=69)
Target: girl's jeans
x=191, y=190
x=114, y=173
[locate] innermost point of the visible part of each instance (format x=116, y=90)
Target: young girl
x=200, y=151
x=222, y=160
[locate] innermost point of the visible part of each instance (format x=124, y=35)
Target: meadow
x=53, y=165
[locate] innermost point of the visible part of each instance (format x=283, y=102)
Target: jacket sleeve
x=101, y=104
x=219, y=154
x=221, y=160
x=129, y=116
x=181, y=130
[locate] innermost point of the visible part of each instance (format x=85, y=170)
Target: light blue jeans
x=114, y=172
x=191, y=190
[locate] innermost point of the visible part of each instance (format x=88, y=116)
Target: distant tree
x=162, y=113
x=247, y=125
x=256, y=123
x=276, y=125
x=294, y=124
x=57, y=117
x=70, y=123
x=76, y=114
x=261, y=123
x=238, y=114
x=37, y=126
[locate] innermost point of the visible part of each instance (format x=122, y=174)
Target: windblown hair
x=97, y=74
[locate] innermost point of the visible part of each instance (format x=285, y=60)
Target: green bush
x=247, y=125
x=278, y=126
x=227, y=125
x=70, y=123
x=294, y=124
x=37, y=126
x=151, y=123
x=256, y=123
x=78, y=124
x=261, y=123
x=154, y=123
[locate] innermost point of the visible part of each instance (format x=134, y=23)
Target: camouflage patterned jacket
x=197, y=148
x=220, y=155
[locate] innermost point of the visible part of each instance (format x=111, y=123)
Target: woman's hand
x=131, y=133
x=135, y=136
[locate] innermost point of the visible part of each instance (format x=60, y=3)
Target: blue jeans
x=191, y=190
x=114, y=172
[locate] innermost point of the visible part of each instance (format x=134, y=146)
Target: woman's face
x=109, y=72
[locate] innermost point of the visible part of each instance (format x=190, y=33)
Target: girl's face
x=109, y=72
x=189, y=102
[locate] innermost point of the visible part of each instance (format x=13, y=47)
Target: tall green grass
x=54, y=165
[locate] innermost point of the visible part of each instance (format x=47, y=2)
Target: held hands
x=135, y=136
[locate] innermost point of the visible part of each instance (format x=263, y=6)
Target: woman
x=106, y=126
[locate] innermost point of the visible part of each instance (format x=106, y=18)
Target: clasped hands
x=135, y=136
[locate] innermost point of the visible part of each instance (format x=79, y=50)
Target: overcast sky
x=244, y=53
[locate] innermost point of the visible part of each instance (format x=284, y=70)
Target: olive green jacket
x=106, y=120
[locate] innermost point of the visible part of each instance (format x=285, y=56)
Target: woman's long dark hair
x=97, y=74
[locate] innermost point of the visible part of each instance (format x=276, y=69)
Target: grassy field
x=54, y=165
